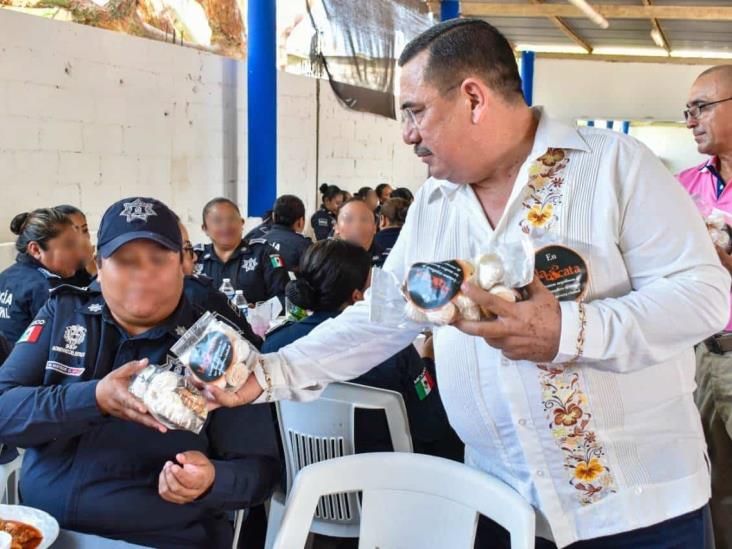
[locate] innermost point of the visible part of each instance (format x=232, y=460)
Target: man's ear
x=477, y=94
x=356, y=296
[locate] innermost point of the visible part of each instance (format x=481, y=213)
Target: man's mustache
x=421, y=151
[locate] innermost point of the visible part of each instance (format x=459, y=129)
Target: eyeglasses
x=413, y=115
x=188, y=248
x=695, y=110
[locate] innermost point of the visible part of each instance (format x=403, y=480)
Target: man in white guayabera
x=584, y=404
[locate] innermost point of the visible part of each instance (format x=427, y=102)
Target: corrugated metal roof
x=689, y=34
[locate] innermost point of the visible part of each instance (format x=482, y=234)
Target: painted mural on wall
x=213, y=25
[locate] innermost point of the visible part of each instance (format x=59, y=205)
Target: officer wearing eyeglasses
x=709, y=116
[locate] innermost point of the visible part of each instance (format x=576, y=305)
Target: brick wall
x=88, y=116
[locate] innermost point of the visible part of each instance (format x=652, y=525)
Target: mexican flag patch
x=33, y=332
x=424, y=384
x=276, y=260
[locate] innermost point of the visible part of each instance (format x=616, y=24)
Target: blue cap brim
x=108, y=248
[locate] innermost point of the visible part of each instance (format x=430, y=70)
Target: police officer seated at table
x=87, y=269
x=252, y=266
x=288, y=222
x=356, y=224
x=369, y=196
x=95, y=459
x=383, y=192
x=333, y=275
x=393, y=215
x=324, y=219
x=262, y=229
x=47, y=247
x=200, y=291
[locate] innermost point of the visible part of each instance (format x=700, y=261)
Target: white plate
x=35, y=517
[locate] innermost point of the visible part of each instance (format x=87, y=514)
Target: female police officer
x=324, y=219
x=47, y=246
x=252, y=266
x=92, y=460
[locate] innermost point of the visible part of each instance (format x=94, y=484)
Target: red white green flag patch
x=33, y=332
x=276, y=260
x=424, y=384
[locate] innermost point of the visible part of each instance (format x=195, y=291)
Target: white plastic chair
x=324, y=429
x=10, y=479
x=239, y=517
x=409, y=501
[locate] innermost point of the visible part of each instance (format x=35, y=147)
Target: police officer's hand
x=218, y=397
x=186, y=482
x=527, y=330
x=115, y=399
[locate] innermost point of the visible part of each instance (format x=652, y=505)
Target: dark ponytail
x=329, y=192
x=39, y=226
x=330, y=270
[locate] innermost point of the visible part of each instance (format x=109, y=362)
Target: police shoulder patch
x=257, y=241
x=276, y=261
x=32, y=332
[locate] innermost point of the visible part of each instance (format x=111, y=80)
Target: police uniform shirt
x=377, y=254
x=99, y=474
x=24, y=289
x=81, y=278
x=386, y=238
x=323, y=221
x=255, y=268
x=259, y=231
x=200, y=292
x=288, y=243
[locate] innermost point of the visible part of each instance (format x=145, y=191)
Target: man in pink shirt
x=709, y=115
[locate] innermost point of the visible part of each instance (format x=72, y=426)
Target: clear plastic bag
x=215, y=353
x=717, y=221
x=170, y=398
x=431, y=293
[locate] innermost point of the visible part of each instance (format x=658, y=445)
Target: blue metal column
x=610, y=124
x=626, y=127
x=527, y=76
x=262, y=105
x=591, y=123
x=449, y=9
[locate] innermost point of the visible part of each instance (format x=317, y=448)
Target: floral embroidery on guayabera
x=566, y=408
x=544, y=190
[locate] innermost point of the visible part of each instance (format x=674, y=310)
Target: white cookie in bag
x=215, y=353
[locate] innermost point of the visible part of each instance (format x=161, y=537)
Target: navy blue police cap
x=138, y=218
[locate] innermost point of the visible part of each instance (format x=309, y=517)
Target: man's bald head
x=721, y=72
x=712, y=92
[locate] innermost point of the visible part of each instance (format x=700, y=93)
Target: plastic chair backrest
x=324, y=429
x=10, y=479
x=409, y=501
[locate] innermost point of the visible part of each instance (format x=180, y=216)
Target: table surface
x=75, y=540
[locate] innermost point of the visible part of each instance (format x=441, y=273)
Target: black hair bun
x=301, y=293
x=324, y=188
x=18, y=223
